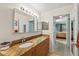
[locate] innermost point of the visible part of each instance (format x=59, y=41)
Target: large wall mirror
x=24, y=22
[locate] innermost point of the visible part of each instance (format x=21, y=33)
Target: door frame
x=54, y=33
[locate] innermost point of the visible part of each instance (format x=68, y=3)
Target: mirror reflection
x=62, y=34
x=24, y=22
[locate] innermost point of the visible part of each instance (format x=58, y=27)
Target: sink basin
x=4, y=48
x=26, y=45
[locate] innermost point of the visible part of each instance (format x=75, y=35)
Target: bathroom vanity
x=37, y=45
x=40, y=47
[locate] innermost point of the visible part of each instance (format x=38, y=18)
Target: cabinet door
x=39, y=49
x=28, y=53
x=42, y=49
x=46, y=46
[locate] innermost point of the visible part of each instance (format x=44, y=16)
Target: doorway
x=62, y=34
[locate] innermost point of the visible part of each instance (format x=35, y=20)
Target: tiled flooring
x=54, y=54
x=61, y=49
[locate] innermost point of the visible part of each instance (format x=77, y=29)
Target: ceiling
x=43, y=7
x=61, y=21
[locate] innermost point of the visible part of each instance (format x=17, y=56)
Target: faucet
x=23, y=40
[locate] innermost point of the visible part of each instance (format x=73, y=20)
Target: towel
x=77, y=40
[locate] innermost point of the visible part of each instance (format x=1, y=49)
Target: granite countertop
x=16, y=51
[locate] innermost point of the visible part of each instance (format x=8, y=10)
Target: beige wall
x=55, y=12
x=48, y=17
x=6, y=19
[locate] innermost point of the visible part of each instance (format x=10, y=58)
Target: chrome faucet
x=23, y=40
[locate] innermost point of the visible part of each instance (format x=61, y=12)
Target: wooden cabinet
x=28, y=53
x=41, y=49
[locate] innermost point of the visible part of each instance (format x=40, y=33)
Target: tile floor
x=54, y=54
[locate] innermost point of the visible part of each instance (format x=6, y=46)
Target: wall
x=74, y=17
x=76, y=27
x=55, y=12
x=48, y=17
x=6, y=26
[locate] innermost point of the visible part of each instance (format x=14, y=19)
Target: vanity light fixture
x=28, y=11
x=60, y=16
x=22, y=8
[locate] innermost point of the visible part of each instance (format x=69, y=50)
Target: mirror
x=24, y=22
x=60, y=25
x=62, y=34
x=45, y=25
